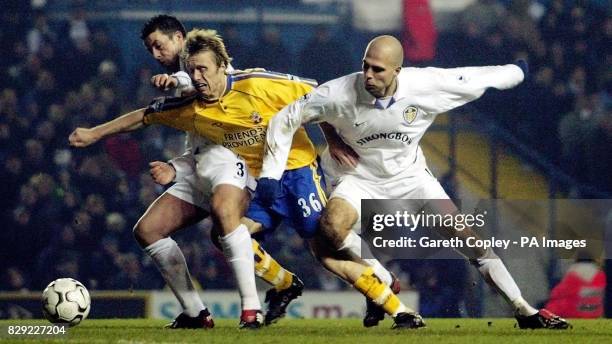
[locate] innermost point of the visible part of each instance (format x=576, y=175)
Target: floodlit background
x=69, y=213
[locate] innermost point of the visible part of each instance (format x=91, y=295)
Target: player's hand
x=83, y=137
x=342, y=153
x=524, y=66
x=164, y=82
x=162, y=172
x=267, y=191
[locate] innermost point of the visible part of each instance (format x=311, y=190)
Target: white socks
x=171, y=263
x=355, y=245
x=238, y=251
x=495, y=273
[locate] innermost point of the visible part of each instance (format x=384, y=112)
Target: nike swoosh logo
x=360, y=123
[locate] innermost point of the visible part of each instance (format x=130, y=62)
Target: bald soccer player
x=381, y=113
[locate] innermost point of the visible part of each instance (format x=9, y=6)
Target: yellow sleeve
x=174, y=112
x=281, y=93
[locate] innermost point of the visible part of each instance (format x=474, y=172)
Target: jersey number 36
x=314, y=204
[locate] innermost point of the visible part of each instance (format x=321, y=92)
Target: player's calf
x=336, y=221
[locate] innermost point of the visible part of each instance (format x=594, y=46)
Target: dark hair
x=164, y=23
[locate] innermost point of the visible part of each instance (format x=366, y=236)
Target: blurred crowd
x=564, y=111
x=70, y=212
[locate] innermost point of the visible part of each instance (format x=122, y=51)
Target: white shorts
x=215, y=165
x=184, y=190
x=419, y=184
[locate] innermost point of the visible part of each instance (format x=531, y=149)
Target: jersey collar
x=380, y=106
x=228, y=85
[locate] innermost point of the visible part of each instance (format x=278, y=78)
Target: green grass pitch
x=329, y=331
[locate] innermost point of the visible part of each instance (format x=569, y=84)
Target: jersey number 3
x=240, y=171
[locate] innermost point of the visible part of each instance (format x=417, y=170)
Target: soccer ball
x=66, y=301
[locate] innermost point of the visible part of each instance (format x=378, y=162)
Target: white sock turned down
x=355, y=245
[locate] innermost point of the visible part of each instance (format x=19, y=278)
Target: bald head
x=386, y=49
x=382, y=63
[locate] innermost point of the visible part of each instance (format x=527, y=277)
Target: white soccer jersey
x=386, y=139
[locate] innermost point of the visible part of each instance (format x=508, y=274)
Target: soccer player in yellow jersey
x=164, y=38
x=233, y=111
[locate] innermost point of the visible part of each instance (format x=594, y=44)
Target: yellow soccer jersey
x=239, y=119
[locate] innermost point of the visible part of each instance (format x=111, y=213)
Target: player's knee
x=323, y=257
x=316, y=246
x=223, y=211
x=226, y=215
x=332, y=264
x=327, y=263
x=146, y=232
x=334, y=228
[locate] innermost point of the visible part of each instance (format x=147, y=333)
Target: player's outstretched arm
x=342, y=153
x=524, y=66
x=311, y=108
x=279, y=137
x=442, y=90
x=83, y=137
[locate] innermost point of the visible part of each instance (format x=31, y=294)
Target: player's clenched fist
x=83, y=137
x=164, y=81
x=161, y=172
